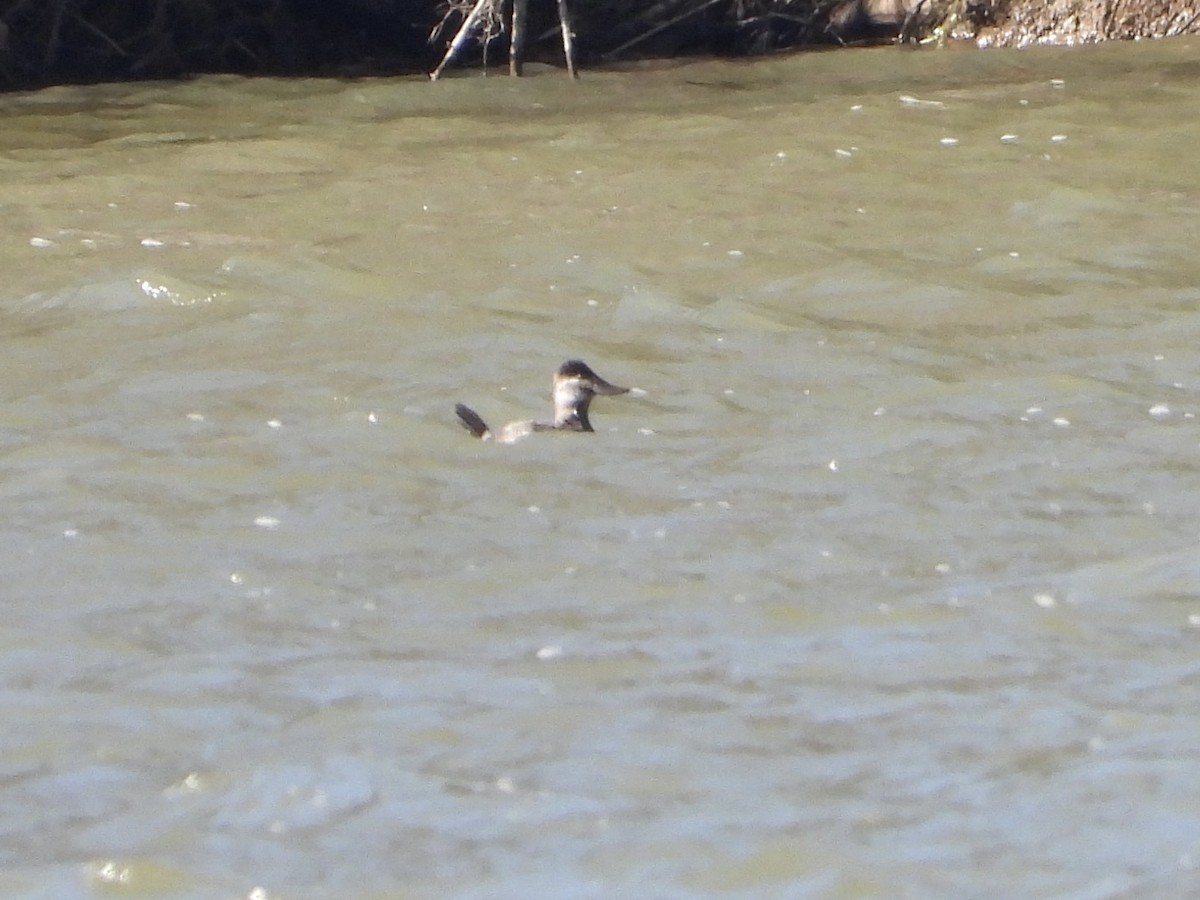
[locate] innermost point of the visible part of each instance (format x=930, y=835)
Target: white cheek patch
x=566, y=392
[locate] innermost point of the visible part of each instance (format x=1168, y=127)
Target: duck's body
x=575, y=384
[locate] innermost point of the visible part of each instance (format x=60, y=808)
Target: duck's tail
x=472, y=422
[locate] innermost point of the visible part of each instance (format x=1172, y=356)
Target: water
x=886, y=586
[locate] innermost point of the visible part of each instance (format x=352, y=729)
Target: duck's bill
x=606, y=389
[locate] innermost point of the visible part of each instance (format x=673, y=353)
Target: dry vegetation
x=45, y=41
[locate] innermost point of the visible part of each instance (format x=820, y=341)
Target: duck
x=574, y=387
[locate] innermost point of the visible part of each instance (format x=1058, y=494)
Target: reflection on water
x=887, y=585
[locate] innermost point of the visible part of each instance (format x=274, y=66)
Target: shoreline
x=67, y=42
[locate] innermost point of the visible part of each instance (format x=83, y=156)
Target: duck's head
x=575, y=384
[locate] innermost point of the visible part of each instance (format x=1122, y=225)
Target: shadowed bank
x=63, y=41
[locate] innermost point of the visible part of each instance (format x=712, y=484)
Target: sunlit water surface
x=886, y=586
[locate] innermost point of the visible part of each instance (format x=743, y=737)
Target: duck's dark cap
x=576, y=368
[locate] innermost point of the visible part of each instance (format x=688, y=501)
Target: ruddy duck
x=575, y=384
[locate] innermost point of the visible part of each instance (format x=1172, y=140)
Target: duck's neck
x=573, y=417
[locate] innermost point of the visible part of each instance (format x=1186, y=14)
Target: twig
x=88, y=26
x=464, y=33
x=564, y=19
x=905, y=35
x=516, y=43
x=1184, y=27
x=661, y=27
x=52, y=41
x=239, y=44
x=653, y=13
